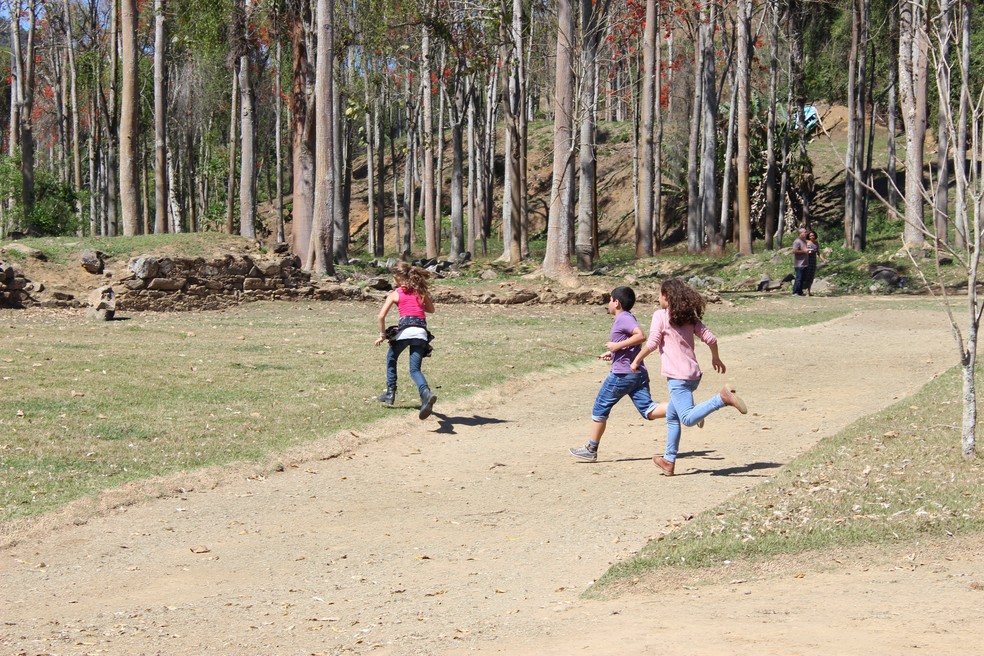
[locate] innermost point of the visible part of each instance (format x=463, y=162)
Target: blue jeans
x=798, y=280
x=418, y=347
x=635, y=385
x=682, y=410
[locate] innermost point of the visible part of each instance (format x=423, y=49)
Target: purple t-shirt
x=622, y=328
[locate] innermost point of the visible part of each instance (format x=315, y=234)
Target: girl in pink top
x=413, y=301
x=672, y=333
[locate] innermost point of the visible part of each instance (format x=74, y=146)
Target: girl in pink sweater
x=672, y=333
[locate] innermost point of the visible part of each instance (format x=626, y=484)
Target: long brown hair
x=413, y=279
x=686, y=305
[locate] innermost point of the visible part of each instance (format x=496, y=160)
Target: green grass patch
x=889, y=478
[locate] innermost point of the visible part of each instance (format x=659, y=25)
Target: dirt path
x=474, y=532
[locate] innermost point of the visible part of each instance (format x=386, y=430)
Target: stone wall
x=15, y=289
x=181, y=283
x=166, y=284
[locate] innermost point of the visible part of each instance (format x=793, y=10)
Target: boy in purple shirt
x=626, y=338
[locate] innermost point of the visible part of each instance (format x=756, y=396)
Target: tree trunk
x=891, y=111
x=592, y=18
x=427, y=136
x=771, y=170
x=372, y=216
x=556, y=260
x=459, y=109
x=709, y=104
x=941, y=197
x=728, y=175
x=341, y=190
x=647, y=165
x=324, y=197
x=75, y=109
x=913, y=69
x=129, y=121
x=695, y=241
x=233, y=143
x=860, y=197
x=25, y=110
x=247, y=163
x=160, y=119
x=513, y=110
x=960, y=151
x=743, y=71
x=303, y=130
x=278, y=140
x=850, y=155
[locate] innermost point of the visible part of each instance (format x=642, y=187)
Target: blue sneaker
x=584, y=453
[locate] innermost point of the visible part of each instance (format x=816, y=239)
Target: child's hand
x=634, y=366
x=382, y=338
x=718, y=365
x=611, y=346
x=605, y=356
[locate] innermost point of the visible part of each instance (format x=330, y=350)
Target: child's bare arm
x=637, y=337
x=391, y=299
x=643, y=352
x=716, y=359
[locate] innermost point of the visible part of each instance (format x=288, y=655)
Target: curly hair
x=686, y=305
x=411, y=278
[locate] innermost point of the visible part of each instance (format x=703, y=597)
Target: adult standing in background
x=801, y=257
x=813, y=252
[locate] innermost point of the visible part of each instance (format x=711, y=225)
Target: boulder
x=93, y=261
x=102, y=303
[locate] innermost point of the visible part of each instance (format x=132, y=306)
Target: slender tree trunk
x=647, y=166
x=960, y=152
x=427, y=136
x=556, y=260
x=93, y=169
x=891, y=123
x=278, y=140
x=247, y=164
x=728, y=175
x=459, y=109
x=941, y=196
x=709, y=105
x=859, y=196
x=324, y=197
x=129, y=121
x=25, y=110
x=850, y=156
x=913, y=69
x=303, y=130
x=233, y=143
x=592, y=18
x=743, y=72
x=372, y=215
x=75, y=109
x=658, y=147
x=471, y=218
x=522, y=98
x=343, y=169
x=160, y=118
x=16, y=85
x=771, y=170
x=695, y=241
x=512, y=190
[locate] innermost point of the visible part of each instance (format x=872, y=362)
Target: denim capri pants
x=635, y=385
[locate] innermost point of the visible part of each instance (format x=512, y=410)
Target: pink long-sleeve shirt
x=676, y=345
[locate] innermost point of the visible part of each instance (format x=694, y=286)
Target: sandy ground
x=475, y=532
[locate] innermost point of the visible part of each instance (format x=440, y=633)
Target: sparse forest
x=403, y=127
